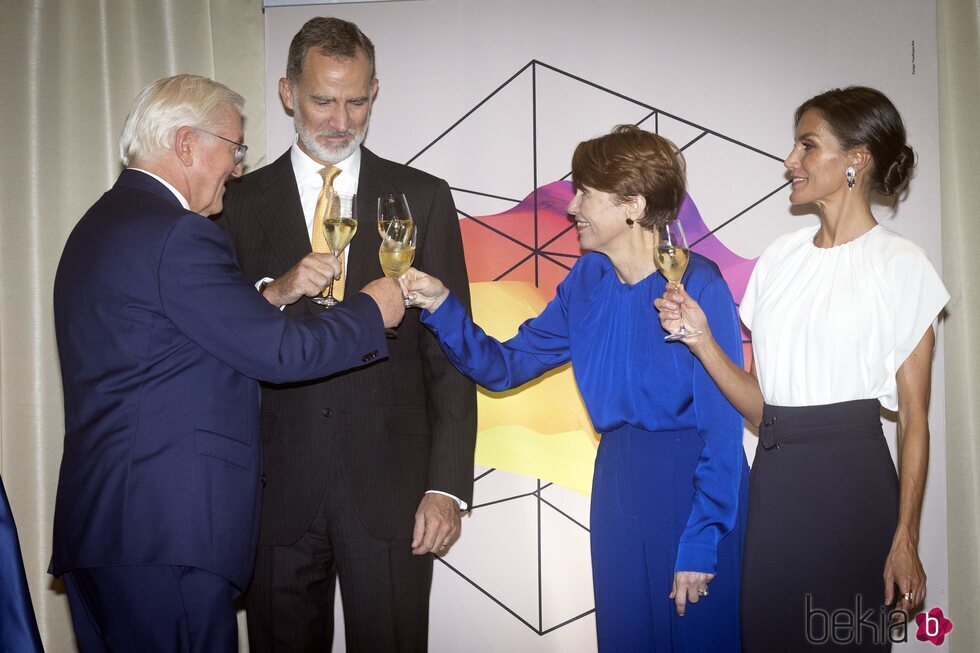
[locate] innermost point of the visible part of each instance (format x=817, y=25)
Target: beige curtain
x=70, y=68
x=959, y=108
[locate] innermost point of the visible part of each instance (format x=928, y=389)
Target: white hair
x=165, y=106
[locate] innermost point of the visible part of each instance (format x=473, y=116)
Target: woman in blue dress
x=669, y=490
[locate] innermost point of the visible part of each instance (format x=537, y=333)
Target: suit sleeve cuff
x=462, y=504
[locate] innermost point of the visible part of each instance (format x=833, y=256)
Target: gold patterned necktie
x=323, y=202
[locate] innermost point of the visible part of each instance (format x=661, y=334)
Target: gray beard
x=328, y=155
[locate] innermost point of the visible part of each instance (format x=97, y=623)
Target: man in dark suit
x=367, y=470
x=161, y=341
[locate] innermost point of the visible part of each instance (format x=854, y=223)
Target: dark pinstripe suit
x=375, y=439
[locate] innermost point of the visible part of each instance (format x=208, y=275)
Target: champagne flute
x=393, y=210
x=339, y=227
x=397, y=249
x=671, y=256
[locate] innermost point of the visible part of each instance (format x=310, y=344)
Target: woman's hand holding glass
x=677, y=309
x=423, y=290
x=671, y=256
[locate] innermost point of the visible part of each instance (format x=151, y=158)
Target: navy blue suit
x=162, y=344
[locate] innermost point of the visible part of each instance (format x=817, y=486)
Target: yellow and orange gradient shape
x=541, y=429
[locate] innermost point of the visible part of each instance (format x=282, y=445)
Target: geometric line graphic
x=515, y=229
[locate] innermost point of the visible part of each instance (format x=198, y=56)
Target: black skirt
x=823, y=509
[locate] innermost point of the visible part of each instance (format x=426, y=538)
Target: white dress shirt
x=310, y=183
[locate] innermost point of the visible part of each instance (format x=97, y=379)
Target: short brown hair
x=631, y=162
x=332, y=37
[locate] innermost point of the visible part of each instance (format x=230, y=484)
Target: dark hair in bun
x=858, y=115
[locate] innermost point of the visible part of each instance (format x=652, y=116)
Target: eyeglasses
x=241, y=147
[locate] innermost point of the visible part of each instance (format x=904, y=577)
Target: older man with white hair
x=162, y=343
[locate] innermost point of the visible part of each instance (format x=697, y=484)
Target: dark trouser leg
x=150, y=609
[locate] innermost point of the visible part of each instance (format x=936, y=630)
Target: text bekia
x=861, y=625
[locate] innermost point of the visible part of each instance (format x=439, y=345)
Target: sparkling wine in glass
x=339, y=227
x=393, y=210
x=397, y=249
x=671, y=256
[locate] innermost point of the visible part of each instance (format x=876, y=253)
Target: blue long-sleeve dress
x=670, y=484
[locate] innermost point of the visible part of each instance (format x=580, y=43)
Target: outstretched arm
x=541, y=343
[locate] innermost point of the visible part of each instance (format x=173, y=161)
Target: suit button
x=326, y=412
x=262, y=480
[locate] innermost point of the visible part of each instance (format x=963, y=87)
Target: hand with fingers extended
x=437, y=524
x=689, y=587
x=308, y=278
x=423, y=290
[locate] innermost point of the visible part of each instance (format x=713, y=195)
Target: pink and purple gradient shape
x=507, y=246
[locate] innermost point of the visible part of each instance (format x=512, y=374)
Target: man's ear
x=286, y=94
x=184, y=142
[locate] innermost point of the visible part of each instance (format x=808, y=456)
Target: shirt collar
x=306, y=168
x=177, y=193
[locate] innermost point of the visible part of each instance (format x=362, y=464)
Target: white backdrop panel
x=734, y=70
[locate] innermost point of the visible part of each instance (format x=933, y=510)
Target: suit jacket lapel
x=281, y=217
x=364, y=265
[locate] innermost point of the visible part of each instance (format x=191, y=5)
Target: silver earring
x=851, y=177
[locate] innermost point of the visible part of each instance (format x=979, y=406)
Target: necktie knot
x=329, y=174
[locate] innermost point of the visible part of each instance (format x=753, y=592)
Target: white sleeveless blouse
x=832, y=325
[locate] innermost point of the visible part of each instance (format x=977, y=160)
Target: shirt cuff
x=260, y=286
x=462, y=504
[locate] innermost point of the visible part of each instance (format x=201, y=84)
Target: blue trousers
x=152, y=609
x=642, y=494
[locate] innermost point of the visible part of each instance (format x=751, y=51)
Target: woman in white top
x=841, y=317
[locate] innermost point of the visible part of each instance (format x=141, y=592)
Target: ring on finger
x=702, y=591
x=907, y=596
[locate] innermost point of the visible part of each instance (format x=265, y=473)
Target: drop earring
x=851, y=177
x=630, y=222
